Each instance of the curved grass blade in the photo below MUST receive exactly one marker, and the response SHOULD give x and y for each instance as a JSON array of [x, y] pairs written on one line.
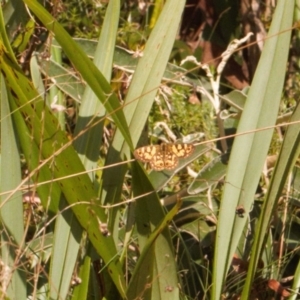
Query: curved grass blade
[[67, 238], [287, 157], [12, 232], [87, 69], [156, 263], [141, 93], [59, 156], [249, 151], [138, 103], [88, 144]]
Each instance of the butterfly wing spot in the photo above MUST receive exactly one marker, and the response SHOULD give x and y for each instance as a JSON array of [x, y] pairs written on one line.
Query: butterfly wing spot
[[182, 150], [171, 161], [157, 163]]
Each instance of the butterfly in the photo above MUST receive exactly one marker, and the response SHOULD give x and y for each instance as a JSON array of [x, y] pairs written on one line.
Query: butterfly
[[163, 156]]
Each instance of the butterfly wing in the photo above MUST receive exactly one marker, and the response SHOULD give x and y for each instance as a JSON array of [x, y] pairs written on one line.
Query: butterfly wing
[[168, 157], [171, 161], [158, 163], [151, 154], [146, 154], [182, 150]]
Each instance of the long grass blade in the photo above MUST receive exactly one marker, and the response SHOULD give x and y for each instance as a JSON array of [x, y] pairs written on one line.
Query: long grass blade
[[249, 151]]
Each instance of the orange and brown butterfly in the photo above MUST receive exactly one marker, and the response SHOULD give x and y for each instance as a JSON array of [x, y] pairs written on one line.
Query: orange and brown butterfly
[[163, 156]]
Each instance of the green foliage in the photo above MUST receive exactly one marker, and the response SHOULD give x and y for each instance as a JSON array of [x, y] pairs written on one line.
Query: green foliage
[[97, 223]]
